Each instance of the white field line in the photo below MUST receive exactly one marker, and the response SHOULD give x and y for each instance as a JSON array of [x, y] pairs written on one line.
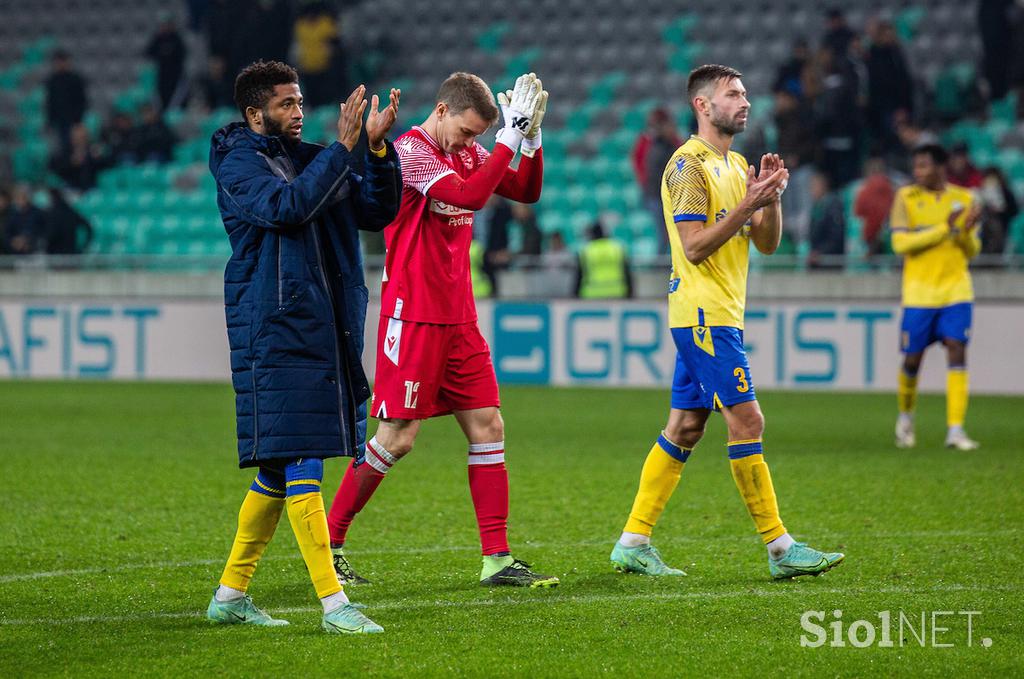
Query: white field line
[[435, 549], [544, 599]]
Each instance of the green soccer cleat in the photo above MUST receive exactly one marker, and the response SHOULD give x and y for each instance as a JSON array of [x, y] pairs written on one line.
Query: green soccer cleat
[[518, 574], [800, 559], [347, 619], [643, 559], [240, 612], [343, 569]]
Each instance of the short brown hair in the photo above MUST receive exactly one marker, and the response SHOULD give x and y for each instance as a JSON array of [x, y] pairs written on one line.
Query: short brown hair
[[708, 74], [461, 91], [254, 86]]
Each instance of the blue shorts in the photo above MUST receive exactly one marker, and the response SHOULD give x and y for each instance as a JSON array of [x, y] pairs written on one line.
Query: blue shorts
[[922, 326], [711, 369]]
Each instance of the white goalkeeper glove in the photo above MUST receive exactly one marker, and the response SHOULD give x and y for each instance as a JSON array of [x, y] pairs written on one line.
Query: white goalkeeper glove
[[520, 110], [532, 138]]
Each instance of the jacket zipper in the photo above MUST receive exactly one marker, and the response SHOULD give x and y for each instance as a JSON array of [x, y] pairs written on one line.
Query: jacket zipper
[[280, 292], [334, 325], [255, 418]]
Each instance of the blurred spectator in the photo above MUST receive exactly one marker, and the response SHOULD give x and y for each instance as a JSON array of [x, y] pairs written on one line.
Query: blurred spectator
[[482, 286], [80, 164], [911, 135], [167, 49], [790, 76], [996, 27], [65, 98], [838, 33], [558, 277], [5, 206], [68, 231], [890, 86], [261, 29], [316, 38], [26, 224], [794, 125], [603, 267], [526, 218], [828, 225], [219, 21], [798, 146], [153, 139], [215, 87], [651, 153], [999, 208], [493, 232], [960, 170], [873, 202], [118, 139], [838, 119]]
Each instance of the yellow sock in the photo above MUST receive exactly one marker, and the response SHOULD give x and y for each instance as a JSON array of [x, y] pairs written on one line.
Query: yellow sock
[[906, 392], [956, 396], [658, 480], [309, 522], [754, 482], [257, 521]]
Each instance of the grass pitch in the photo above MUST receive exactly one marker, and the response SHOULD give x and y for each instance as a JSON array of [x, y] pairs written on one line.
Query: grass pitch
[[121, 502]]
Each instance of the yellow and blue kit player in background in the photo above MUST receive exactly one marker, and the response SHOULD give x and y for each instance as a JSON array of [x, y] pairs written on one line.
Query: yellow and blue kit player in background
[[715, 204], [935, 227]]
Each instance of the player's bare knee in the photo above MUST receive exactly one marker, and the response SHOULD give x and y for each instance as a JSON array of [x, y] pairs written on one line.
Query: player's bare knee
[[749, 425], [911, 363], [956, 352], [495, 429], [685, 434]]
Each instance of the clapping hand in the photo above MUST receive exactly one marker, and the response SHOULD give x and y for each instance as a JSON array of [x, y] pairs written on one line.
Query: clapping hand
[[379, 122]]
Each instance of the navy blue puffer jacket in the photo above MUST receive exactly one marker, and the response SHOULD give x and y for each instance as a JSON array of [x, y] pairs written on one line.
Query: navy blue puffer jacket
[[294, 293]]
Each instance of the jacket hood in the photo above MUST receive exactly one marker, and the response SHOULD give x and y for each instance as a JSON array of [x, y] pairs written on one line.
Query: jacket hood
[[231, 136]]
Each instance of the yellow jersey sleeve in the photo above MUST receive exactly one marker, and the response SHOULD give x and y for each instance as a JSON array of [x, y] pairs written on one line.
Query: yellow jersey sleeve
[[908, 240], [687, 189]]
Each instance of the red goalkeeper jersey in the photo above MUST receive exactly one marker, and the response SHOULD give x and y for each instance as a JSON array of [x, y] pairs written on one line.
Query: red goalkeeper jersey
[[426, 270]]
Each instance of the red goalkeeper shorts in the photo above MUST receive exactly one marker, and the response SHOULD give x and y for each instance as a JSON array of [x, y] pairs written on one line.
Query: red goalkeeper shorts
[[425, 370]]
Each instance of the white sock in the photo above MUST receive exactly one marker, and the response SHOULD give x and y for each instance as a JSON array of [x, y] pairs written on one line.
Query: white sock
[[634, 539], [333, 601], [779, 545], [955, 429], [225, 594], [907, 418]]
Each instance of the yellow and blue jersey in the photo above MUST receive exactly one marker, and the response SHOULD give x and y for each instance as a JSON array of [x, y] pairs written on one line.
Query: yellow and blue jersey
[[935, 257], [701, 184]]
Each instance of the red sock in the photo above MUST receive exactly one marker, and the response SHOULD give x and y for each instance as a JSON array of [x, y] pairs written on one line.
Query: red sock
[[488, 485], [357, 487]]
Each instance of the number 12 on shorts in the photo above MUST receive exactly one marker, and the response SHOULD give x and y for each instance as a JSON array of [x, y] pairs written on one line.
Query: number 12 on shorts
[[411, 394]]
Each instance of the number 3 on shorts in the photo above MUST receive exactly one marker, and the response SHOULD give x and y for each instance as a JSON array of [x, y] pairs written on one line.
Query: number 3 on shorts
[[741, 374]]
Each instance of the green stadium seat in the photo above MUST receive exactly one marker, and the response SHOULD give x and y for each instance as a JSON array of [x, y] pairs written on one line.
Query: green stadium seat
[[580, 197], [489, 40], [603, 91], [521, 63], [677, 32]]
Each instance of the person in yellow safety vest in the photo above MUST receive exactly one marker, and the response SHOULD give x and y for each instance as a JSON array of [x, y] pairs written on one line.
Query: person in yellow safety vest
[[603, 270], [481, 281]]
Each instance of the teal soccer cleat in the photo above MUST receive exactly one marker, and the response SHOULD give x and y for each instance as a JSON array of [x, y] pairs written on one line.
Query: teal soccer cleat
[[643, 559], [347, 619], [240, 612], [800, 559]]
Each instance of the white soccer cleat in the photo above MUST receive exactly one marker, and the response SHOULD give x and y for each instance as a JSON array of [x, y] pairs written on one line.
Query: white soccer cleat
[[905, 437], [958, 440]]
